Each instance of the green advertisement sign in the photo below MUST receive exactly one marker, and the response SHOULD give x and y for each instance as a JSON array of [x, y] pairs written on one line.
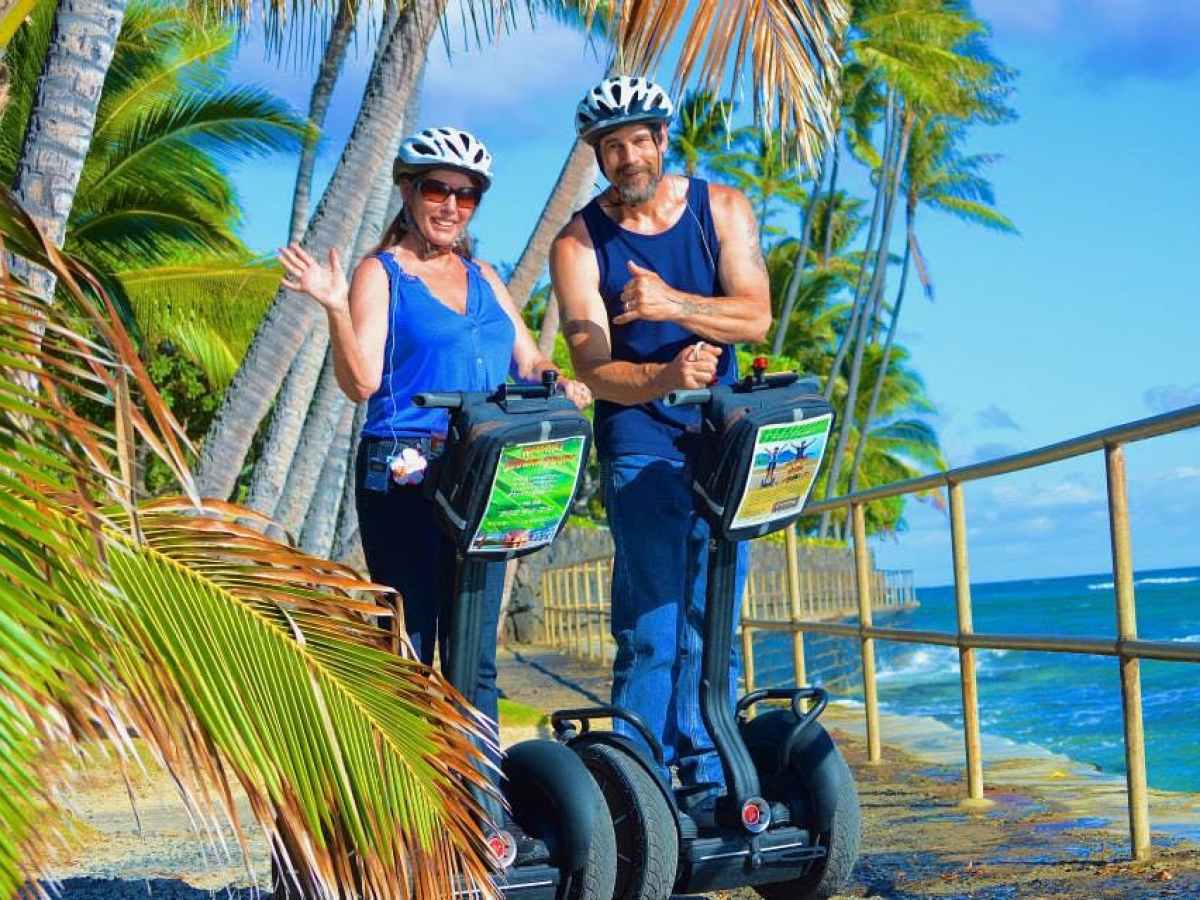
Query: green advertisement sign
[[531, 495], [786, 459]]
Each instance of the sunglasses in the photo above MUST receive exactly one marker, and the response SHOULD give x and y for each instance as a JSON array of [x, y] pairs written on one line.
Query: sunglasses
[[435, 191]]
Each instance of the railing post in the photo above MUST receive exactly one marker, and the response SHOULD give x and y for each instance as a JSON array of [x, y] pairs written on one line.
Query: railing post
[[547, 605], [862, 573], [966, 655], [747, 644], [799, 668], [1131, 679], [588, 606]]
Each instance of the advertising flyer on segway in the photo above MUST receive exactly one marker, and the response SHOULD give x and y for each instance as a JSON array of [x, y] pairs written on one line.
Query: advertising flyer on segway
[[530, 495], [786, 460]]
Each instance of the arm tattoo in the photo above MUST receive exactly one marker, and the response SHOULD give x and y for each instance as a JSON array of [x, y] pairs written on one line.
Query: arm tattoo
[[755, 248], [689, 307]]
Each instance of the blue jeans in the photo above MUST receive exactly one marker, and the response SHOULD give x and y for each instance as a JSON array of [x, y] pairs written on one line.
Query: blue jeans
[[658, 600]]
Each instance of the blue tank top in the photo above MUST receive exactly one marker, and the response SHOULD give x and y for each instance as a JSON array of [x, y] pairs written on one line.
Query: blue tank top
[[430, 347], [686, 257]]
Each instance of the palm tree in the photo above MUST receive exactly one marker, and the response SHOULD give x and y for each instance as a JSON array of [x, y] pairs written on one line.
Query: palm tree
[[238, 661], [762, 168], [941, 177], [921, 52], [309, 400], [573, 188], [290, 319], [56, 142], [900, 445], [318, 105], [702, 130]]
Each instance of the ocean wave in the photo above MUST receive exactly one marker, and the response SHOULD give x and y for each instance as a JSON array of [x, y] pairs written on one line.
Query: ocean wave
[[925, 664], [1188, 639], [1163, 579]]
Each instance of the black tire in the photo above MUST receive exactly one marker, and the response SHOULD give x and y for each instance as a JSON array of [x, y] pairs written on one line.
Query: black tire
[[596, 879], [827, 793], [647, 841]]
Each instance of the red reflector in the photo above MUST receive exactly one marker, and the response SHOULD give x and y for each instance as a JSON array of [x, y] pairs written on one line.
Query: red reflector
[[750, 814], [760, 362]]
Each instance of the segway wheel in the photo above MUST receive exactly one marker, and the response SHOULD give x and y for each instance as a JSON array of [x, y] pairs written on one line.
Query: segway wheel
[[647, 841], [818, 772], [595, 880]]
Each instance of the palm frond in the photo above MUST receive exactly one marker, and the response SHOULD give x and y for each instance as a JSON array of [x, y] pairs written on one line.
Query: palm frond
[[231, 124], [236, 659], [972, 211], [789, 48]]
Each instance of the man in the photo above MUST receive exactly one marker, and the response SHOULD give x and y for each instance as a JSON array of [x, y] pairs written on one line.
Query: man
[[657, 278]]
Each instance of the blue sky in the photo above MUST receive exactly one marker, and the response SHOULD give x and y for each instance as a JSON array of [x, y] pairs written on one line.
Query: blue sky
[[1085, 320]]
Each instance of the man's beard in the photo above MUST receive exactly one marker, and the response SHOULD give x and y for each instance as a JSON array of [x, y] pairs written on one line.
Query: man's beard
[[634, 194]]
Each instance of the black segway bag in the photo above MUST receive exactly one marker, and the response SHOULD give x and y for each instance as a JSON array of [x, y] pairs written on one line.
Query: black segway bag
[[763, 442], [512, 467]]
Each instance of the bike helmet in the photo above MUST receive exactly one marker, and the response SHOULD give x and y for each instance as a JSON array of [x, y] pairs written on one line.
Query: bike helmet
[[621, 101], [449, 148]]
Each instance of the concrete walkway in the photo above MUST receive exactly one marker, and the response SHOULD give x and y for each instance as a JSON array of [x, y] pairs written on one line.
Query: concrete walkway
[[1046, 835]]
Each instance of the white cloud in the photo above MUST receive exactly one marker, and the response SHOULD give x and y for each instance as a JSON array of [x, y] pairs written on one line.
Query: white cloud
[[1180, 473], [1065, 493], [1038, 525], [527, 80]]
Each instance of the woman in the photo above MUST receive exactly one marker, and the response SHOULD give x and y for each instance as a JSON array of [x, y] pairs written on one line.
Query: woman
[[421, 315]]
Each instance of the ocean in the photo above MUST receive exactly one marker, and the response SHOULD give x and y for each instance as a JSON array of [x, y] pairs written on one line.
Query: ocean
[[1063, 702]]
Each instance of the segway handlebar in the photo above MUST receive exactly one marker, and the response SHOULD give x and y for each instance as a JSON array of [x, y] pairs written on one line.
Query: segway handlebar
[[435, 400], [692, 397]]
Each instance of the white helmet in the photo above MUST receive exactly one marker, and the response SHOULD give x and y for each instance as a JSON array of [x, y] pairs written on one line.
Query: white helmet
[[621, 101], [449, 148]]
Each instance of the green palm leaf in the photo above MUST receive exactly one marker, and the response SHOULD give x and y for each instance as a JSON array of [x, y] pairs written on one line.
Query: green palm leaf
[[236, 659]]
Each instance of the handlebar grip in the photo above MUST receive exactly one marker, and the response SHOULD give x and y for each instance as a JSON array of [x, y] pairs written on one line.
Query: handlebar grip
[[692, 397], [432, 399]]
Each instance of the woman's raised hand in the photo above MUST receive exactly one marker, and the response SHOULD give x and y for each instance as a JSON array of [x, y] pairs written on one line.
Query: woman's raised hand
[[324, 283]]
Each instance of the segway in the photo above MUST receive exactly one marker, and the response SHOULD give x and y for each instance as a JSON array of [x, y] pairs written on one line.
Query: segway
[[502, 489], [787, 821]]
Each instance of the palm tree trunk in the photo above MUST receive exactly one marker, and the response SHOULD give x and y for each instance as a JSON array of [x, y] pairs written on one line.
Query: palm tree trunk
[[856, 308], [889, 183], [60, 127], [574, 181], [318, 105], [291, 420], [316, 437], [859, 450], [271, 470], [793, 285], [833, 178], [550, 326], [321, 521], [346, 535], [290, 318]]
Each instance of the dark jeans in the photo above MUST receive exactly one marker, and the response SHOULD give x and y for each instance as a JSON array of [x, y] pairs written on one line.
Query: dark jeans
[[406, 550], [658, 598]]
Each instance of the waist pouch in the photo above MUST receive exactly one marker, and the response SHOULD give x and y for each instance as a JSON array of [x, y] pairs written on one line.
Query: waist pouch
[[759, 456], [510, 471]]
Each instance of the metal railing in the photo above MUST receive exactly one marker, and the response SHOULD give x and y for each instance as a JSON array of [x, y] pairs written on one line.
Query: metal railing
[[576, 604], [577, 607], [1125, 647]]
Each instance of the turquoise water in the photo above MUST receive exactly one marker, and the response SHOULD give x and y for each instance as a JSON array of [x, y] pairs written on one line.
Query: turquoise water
[[1064, 702]]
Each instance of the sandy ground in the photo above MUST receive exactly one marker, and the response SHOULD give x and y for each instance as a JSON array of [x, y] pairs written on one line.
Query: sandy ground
[[1056, 828]]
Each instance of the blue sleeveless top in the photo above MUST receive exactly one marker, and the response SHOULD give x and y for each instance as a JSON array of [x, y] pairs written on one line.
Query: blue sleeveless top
[[430, 347], [685, 256]]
